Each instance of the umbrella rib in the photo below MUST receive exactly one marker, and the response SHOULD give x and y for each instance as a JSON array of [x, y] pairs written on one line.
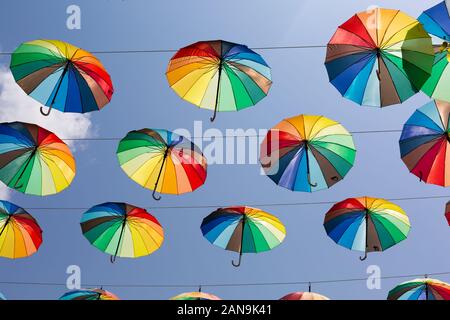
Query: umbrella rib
[[415, 22], [380, 43]]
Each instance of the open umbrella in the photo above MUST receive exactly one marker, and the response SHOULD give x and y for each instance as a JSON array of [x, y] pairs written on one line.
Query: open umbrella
[[425, 143], [304, 296], [122, 230], [20, 234], [243, 230], [436, 21], [366, 224], [195, 296], [307, 153], [421, 289], [379, 58], [34, 160], [219, 75], [61, 76], [89, 294], [162, 161]]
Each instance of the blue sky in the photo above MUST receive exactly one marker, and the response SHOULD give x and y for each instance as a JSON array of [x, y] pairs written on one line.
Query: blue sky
[[143, 99]]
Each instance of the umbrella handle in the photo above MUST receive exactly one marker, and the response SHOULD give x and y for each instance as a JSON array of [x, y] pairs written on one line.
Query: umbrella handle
[[213, 117], [310, 183], [238, 263], [363, 258], [156, 197], [112, 259], [421, 176], [46, 113]]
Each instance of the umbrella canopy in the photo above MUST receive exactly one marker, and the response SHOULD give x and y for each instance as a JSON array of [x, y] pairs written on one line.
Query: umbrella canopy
[[162, 161], [195, 296], [424, 143], [219, 75], [34, 160], [89, 294], [447, 212], [243, 230], [61, 76], [379, 57], [421, 289], [366, 224], [122, 230], [307, 153], [20, 234], [304, 296], [436, 21]]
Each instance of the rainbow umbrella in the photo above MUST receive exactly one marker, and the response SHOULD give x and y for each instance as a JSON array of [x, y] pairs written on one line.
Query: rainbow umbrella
[[61, 76], [447, 212], [366, 224], [304, 296], [307, 153], [219, 75], [436, 21], [195, 296], [162, 161], [89, 294], [243, 230], [34, 160], [379, 57], [20, 234], [424, 143], [421, 289], [122, 230]]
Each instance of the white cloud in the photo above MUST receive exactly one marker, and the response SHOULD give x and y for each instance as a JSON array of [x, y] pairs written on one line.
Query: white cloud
[[16, 105]]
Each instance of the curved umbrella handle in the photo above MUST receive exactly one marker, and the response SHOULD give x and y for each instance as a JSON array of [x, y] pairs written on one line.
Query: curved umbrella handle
[[238, 263], [46, 113], [112, 258], [421, 176], [363, 258], [310, 183], [213, 117], [156, 197]]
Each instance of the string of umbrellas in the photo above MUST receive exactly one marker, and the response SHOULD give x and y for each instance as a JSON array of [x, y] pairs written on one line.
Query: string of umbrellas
[[416, 289], [373, 65]]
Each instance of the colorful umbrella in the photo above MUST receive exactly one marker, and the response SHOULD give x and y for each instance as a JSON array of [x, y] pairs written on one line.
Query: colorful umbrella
[[379, 57], [219, 75], [195, 296], [424, 143], [89, 294], [304, 296], [162, 161], [447, 212], [20, 234], [243, 230], [421, 289], [122, 230], [61, 76], [366, 224], [307, 153], [33, 160], [436, 21]]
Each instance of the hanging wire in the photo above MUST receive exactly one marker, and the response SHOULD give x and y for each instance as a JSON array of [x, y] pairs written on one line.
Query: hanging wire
[[224, 285], [280, 204], [6, 53], [226, 136]]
